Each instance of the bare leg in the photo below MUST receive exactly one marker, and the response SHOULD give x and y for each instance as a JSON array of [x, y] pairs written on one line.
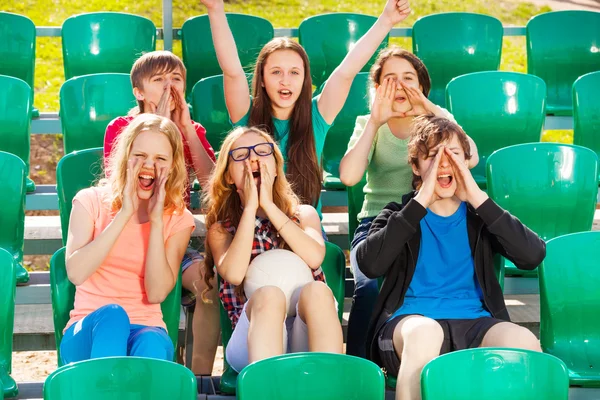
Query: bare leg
[[417, 340], [266, 312], [206, 327], [507, 334], [316, 307]]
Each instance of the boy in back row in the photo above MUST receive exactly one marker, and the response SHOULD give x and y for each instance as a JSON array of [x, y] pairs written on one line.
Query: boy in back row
[[158, 79]]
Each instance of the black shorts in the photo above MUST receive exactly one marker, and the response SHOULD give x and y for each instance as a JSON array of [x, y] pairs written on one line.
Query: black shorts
[[459, 334]]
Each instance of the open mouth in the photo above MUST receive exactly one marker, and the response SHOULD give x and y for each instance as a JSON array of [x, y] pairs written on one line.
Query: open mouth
[[400, 99], [146, 181], [445, 180], [285, 94]]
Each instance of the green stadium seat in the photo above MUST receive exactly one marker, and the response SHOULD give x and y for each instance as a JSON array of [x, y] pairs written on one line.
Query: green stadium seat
[[586, 112], [494, 373], [327, 38], [552, 188], [315, 376], [17, 49], [334, 268], [569, 304], [561, 47], [356, 198], [75, 171], [336, 142], [454, 44], [15, 117], [121, 378], [497, 109], [105, 42], [87, 105], [8, 281], [62, 293], [12, 217], [251, 33], [210, 110]]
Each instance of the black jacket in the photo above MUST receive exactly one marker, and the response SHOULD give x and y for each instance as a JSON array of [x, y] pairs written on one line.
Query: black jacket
[[392, 247]]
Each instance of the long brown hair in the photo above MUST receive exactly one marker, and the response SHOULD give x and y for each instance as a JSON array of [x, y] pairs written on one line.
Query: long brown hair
[[303, 168], [223, 203]]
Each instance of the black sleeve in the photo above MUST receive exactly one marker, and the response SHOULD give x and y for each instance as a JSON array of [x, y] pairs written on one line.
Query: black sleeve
[[511, 238], [389, 232]]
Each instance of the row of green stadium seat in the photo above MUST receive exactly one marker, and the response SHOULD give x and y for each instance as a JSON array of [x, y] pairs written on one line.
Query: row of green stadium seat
[[561, 46]]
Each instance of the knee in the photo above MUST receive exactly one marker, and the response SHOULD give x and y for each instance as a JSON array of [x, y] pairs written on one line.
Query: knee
[[421, 336], [268, 299], [523, 338], [115, 314], [366, 287], [153, 343], [316, 293]]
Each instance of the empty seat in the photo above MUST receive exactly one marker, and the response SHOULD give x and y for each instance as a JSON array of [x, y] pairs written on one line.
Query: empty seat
[[456, 43], [87, 105], [586, 111], [561, 47], [105, 42]]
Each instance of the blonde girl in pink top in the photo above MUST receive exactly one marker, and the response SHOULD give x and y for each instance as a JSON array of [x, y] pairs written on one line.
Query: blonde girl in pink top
[[126, 239]]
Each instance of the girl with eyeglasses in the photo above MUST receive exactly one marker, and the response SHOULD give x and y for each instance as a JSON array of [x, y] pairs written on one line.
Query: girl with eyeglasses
[[251, 208]]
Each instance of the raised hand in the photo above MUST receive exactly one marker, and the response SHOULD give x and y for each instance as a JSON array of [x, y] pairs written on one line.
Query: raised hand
[[427, 195], [266, 186], [181, 114], [249, 193], [466, 187], [162, 108], [381, 109], [131, 200], [156, 205], [395, 11], [419, 102], [212, 4]]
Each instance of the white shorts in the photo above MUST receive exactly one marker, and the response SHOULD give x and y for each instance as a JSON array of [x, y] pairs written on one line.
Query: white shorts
[[295, 339]]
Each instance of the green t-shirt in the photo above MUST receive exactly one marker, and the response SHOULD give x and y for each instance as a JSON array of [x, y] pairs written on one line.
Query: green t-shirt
[[282, 131], [389, 175]]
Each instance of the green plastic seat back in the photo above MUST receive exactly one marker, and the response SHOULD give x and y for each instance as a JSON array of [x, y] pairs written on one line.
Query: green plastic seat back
[[250, 33], [561, 47], [569, 304], [586, 111], [62, 292], [494, 374], [105, 42], [336, 142], [327, 39], [74, 172], [552, 188], [88, 104], [210, 110], [15, 117], [8, 281], [17, 47], [121, 378], [12, 216], [497, 109], [356, 198], [315, 376], [454, 44], [334, 268]]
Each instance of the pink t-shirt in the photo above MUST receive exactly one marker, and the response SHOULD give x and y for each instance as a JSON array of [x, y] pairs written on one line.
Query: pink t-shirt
[[120, 278]]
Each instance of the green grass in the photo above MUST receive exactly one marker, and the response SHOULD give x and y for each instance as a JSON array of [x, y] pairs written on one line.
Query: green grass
[[282, 13]]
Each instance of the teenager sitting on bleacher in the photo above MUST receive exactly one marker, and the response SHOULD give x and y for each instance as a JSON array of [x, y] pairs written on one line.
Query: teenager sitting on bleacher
[[158, 80], [378, 147], [435, 252], [282, 101], [251, 210], [126, 239]]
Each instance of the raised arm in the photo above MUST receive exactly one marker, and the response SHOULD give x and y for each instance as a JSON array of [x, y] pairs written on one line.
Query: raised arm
[[237, 94], [338, 85]]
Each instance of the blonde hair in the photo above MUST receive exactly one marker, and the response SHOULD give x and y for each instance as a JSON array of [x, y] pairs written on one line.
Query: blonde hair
[[176, 184], [222, 201]]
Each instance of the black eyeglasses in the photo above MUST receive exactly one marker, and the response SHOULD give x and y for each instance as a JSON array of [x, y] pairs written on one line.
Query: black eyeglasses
[[261, 149]]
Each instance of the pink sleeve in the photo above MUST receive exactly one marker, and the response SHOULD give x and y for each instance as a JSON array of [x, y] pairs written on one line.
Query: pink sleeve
[[88, 198], [201, 132], [181, 222], [113, 130]]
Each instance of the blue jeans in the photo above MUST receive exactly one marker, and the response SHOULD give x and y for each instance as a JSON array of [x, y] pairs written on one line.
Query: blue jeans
[[365, 295], [107, 332]]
